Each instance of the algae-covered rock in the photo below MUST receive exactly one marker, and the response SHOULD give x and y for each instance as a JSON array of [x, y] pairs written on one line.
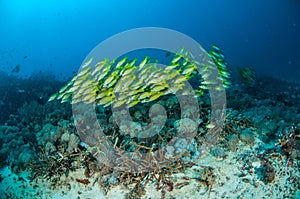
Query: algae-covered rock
[[61, 137], [186, 126], [67, 142], [247, 136], [187, 148], [232, 143], [65, 137], [218, 152], [49, 148], [181, 146], [73, 143], [48, 133], [25, 157], [130, 128]]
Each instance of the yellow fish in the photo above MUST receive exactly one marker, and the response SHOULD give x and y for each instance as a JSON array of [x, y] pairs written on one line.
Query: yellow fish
[[133, 103], [120, 63], [53, 97], [87, 63], [155, 96], [144, 62]]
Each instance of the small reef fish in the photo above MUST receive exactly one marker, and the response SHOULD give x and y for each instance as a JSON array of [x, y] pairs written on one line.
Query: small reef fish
[[121, 62], [87, 63], [247, 75], [172, 66], [176, 59], [214, 46], [133, 103], [144, 62], [99, 67], [119, 103], [129, 82], [53, 97]]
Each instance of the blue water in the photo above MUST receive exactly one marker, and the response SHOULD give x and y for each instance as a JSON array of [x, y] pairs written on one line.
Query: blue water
[[56, 36]]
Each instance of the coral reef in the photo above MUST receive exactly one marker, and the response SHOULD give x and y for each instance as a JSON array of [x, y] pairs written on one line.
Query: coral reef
[[157, 151], [17, 91]]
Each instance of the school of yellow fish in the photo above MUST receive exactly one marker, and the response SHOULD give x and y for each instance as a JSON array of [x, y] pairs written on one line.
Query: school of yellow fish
[[129, 82]]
